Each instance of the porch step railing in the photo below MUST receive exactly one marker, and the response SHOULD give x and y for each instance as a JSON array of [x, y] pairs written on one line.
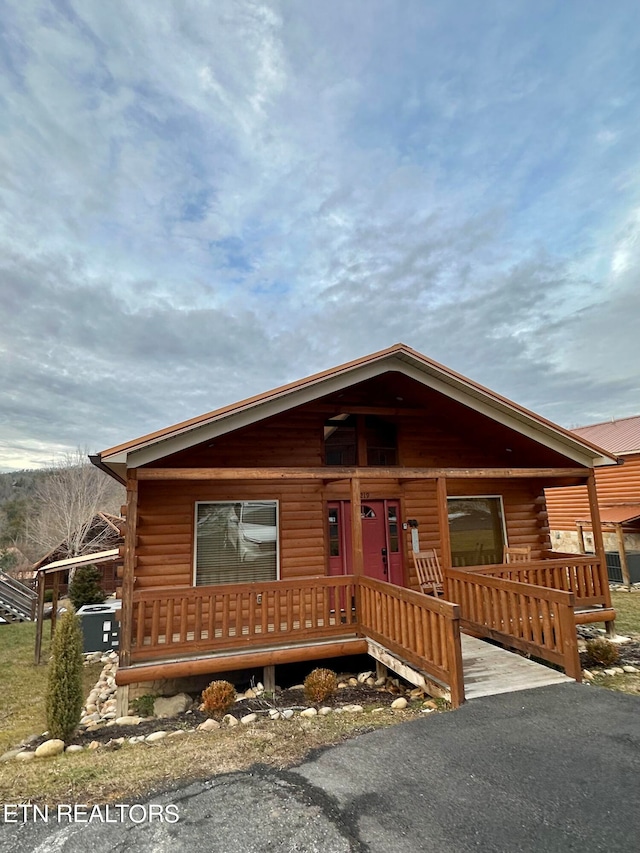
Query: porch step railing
[[422, 629], [534, 619], [17, 601], [583, 576]]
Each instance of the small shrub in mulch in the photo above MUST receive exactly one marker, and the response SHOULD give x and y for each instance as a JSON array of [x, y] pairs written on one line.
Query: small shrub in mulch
[[320, 685], [601, 652]]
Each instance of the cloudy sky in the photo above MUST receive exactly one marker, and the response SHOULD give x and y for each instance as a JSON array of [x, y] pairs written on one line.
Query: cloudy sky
[[202, 200]]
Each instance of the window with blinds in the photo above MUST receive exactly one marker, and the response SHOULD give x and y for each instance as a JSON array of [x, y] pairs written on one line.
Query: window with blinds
[[236, 542]]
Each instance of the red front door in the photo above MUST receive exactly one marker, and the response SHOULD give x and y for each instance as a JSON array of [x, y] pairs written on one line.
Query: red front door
[[380, 539]]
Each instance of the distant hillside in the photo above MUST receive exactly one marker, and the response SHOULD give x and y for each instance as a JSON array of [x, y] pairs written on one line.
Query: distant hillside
[[20, 484], [41, 508]]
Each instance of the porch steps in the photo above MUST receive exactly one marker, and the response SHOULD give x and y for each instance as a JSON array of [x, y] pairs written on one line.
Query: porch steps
[[489, 670]]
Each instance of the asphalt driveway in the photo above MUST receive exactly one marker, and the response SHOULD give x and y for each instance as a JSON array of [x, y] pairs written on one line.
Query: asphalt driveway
[[551, 769]]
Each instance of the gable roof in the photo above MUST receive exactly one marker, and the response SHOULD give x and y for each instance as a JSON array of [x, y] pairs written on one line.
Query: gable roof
[[399, 358], [617, 436]]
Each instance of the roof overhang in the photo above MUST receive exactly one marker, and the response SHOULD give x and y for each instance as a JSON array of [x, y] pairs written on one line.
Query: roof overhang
[[622, 514], [401, 359], [83, 560]]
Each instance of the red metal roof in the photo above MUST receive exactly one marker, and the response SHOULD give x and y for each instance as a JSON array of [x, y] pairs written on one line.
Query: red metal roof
[[621, 436], [618, 514]]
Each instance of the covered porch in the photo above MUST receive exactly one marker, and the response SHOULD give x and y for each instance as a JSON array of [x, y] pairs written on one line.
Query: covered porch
[[531, 608]]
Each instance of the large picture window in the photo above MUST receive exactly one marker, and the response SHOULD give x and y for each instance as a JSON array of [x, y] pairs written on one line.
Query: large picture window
[[476, 529], [236, 542]]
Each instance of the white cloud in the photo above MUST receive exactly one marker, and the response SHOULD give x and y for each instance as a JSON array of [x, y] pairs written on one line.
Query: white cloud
[[213, 198]]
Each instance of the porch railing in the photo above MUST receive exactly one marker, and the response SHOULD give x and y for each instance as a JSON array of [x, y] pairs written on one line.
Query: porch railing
[[234, 616], [421, 629], [583, 576], [534, 619]]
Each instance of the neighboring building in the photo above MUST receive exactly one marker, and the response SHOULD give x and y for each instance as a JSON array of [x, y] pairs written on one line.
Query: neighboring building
[[253, 527], [618, 497], [102, 534]]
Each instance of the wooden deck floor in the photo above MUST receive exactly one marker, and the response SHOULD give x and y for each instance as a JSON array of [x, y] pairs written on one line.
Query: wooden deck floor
[[489, 670]]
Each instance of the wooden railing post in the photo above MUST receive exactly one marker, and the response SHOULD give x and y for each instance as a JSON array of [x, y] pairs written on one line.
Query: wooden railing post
[[567, 621], [454, 659]]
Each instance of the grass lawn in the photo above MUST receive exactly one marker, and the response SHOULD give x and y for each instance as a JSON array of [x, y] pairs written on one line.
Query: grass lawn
[[133, 771], [627, 605], [24, 685]]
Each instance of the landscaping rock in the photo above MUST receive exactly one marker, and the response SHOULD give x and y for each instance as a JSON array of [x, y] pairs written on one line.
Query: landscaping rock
[[209, 725], [376, 710], [610, 671], [75, 747], [171, 706], [25, 756], [136, 739], [274, 714], [380, 682], [342, 685], [180, 732], [128, 720], [353, 709], [288, 714], [248, 719], [362, 677], [154, 737], [630, 668], [9, 756], [399, 704], [250, 694], [230, 720], [431, 704], [94, 745], [50, 748], [324, 711], [309, 712]]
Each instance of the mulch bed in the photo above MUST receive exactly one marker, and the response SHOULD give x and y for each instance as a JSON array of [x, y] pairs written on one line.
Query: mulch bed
[[629, 655], [363, 694]]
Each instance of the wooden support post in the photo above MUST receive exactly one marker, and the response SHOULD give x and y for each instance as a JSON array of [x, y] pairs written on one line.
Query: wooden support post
[[54, 602], [128, 577], [381, 670], [626, 578], [443, 529], [581, 545], [269, 678], [443, 522], [598, 541], [356, 528], [122, 700], [39, 617]]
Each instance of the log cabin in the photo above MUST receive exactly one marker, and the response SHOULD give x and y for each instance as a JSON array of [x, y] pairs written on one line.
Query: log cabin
[[282, 528], [619, 502]]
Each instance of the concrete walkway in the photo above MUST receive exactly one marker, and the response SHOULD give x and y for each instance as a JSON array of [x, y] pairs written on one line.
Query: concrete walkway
[[552, 770]]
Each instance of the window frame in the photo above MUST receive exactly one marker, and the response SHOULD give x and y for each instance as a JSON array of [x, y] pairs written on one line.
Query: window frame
[[194, 577], [481, 497]]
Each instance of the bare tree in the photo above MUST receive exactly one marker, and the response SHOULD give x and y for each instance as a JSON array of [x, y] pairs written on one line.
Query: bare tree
[[66, 503]]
